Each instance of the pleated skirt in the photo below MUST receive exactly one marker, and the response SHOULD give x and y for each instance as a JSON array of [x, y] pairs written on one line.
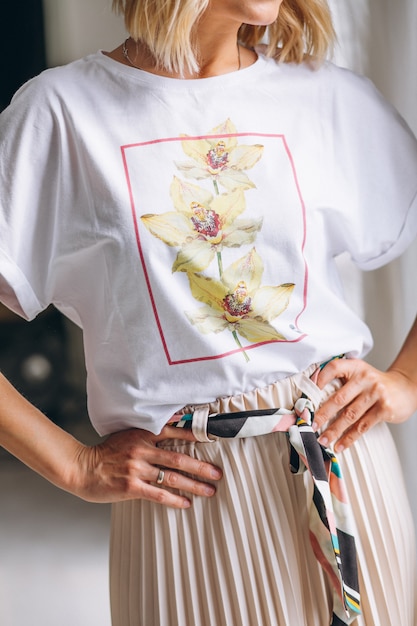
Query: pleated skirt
[[243, 557]]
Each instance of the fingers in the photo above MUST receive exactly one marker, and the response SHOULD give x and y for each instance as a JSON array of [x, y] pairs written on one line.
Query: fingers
[[172, 432], [160, 477], [181, 482], [129, 465], [190, 474], [362, 402], [337, 368], [166, 492], [162, 484], [164, 497], [357, 385], [183, 463], [349, 426], [181, 472]]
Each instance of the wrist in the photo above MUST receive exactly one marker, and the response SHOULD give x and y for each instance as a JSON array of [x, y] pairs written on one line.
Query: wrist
[[411, 385], [70, 473], [410, 376]]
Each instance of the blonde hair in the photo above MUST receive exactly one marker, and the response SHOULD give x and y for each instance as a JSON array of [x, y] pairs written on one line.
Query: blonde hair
[[167, 28]]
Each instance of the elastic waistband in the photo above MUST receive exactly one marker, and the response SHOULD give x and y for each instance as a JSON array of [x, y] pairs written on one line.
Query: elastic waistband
[[261, 404]]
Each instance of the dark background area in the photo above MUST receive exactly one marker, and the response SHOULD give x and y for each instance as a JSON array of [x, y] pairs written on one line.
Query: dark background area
[[54, 546], [22, 45], [36, 357], [40, 358]]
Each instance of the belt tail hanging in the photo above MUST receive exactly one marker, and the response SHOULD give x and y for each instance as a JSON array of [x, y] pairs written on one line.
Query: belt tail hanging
[[330, 525]]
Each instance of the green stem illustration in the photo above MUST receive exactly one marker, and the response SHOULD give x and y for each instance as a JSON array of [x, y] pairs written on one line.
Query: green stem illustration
[[219, 254], [220, 263], [234, 333], [220, 266]]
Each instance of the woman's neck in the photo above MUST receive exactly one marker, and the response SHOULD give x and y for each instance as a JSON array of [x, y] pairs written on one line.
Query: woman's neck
[[216, 55]]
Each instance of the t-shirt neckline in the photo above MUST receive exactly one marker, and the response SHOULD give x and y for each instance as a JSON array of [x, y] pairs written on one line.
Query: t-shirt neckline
[[162, 82]]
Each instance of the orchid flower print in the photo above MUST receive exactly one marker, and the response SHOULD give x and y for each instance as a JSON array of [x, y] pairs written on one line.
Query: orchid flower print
[[202, 224], [220, 158], [238, 302]]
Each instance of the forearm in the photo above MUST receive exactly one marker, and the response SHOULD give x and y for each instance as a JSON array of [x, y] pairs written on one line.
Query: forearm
[[121, 468], [39, 443], [406, 361]]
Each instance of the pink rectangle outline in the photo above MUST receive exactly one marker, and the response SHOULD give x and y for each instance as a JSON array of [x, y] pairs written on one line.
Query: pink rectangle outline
[[142, 259]]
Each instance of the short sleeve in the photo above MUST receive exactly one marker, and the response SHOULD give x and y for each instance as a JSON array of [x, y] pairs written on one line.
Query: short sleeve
[[373, 160], [29, 188]]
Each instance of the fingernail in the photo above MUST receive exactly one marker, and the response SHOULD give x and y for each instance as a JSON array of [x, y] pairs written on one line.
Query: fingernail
[[324, 441], [215, 473], [186, 504], [339, 448], [209, 490], [315, 427]]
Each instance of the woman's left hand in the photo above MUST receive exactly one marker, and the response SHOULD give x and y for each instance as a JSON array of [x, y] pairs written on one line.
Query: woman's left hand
[[367, 396]]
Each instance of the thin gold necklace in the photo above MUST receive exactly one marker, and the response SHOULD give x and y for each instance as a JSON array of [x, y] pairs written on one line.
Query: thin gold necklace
[[126, 56]]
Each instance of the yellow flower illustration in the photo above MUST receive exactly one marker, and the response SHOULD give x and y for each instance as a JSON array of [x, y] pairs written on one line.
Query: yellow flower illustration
[[238, 303], [202, 225], [220, 158]]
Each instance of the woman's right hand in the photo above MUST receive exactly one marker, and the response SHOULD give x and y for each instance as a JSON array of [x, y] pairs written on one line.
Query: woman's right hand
[[127, 464]]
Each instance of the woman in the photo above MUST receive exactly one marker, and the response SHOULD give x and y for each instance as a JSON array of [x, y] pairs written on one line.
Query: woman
[[182, 199]]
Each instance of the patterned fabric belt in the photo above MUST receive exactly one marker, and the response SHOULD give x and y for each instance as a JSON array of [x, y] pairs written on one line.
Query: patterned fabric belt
[[330, 526]]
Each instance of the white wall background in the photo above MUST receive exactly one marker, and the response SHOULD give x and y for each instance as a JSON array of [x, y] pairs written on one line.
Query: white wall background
[[74, 28], [378, 38]]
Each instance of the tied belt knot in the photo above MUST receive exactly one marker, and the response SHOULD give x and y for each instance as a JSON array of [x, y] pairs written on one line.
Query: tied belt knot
[[330, 519]]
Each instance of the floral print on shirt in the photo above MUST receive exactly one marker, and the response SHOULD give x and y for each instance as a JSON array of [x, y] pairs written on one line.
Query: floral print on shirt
[[203, 223]]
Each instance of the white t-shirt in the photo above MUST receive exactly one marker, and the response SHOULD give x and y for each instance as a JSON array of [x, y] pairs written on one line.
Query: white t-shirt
[[190, 227]]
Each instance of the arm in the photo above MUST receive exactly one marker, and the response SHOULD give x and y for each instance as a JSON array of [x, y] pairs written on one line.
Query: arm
[[368, 396], [121, 468]]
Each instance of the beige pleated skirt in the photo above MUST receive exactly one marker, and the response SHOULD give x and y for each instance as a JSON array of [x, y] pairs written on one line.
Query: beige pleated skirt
[[243, 557]]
